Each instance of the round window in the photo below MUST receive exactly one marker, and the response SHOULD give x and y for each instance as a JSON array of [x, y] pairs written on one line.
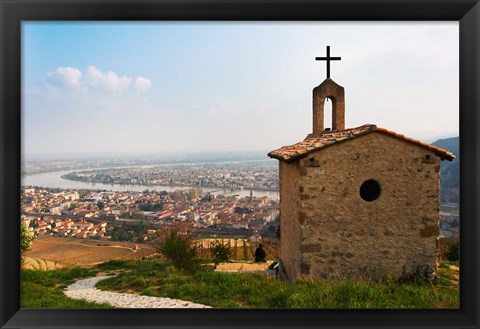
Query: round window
[[370, 190]]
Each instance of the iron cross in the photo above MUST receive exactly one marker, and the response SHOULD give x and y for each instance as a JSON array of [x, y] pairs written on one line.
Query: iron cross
[[328, 59]]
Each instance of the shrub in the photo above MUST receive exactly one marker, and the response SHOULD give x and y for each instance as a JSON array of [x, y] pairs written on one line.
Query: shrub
[[453, 252], [419, 274], [177, 246], [220, 253], [26, 239]]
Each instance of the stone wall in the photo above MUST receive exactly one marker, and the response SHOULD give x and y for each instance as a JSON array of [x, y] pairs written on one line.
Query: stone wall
[[289, 226], [343, 235]]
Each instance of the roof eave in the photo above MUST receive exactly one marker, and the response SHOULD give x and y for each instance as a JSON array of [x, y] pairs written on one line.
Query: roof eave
[[284, 159], [439, 152], [448, 157]]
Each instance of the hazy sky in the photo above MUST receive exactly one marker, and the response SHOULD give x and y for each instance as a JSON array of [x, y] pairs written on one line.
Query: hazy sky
[[228, 86]]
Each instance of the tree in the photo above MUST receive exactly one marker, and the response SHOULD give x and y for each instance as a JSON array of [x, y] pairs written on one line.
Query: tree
[[177, 195], [453, 252], [220, 253], [178, 247], [151, 206], [26, 240], [207, 198], [242, 210], [194, 193]]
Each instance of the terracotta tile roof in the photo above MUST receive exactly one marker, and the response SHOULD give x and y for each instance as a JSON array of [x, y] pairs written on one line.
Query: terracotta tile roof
[[313, 143]]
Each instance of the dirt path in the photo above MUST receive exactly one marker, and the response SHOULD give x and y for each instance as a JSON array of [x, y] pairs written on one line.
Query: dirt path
[[243, 267], [456, 273]]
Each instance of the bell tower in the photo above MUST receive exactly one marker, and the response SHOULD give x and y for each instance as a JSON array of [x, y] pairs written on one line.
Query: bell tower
[[336, 93]]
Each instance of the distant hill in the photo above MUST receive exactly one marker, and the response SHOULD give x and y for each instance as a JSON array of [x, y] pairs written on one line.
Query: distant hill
[[450, 170]]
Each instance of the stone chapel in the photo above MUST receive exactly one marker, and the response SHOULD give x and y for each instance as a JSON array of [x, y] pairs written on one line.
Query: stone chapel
[[357, 202]]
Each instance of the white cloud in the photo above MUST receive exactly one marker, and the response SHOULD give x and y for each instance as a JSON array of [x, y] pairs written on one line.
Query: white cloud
[[96, 80], [111, 81], [93, 76], [142, 84], [67, 76]]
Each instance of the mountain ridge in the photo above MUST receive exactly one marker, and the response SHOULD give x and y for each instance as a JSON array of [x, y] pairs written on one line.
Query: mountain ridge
[[450, 170]]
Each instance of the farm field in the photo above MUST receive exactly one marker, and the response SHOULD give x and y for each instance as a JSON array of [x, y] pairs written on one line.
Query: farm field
[[56, 252], [59, 252]]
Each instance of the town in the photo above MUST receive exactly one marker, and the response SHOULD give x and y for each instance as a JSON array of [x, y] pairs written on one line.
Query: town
[[261, 175], [450, 221], [137, 216], [35, 164]]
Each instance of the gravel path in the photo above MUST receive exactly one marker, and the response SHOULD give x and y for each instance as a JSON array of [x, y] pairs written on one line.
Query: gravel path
[[85, 289]]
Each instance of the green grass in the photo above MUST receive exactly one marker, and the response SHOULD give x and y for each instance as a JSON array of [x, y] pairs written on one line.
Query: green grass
[[44, 289], [256, 290], [454, 262]]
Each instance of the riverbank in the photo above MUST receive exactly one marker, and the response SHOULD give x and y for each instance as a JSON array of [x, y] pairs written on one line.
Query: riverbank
[[54, 180], [73, 177]]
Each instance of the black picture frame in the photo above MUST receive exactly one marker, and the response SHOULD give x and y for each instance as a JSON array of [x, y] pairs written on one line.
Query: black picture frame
[[13, 12]]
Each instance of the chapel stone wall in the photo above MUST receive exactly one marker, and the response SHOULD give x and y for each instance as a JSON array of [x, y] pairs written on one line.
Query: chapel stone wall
[[289, 226], [339, 234]]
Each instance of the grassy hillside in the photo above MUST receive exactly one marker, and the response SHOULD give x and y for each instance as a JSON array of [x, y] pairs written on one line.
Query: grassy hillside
[[44, 289], [257, 290], [151, 277]]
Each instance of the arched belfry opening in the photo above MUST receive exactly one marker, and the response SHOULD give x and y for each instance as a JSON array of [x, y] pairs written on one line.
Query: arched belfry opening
[[335, 93], [328, 113]]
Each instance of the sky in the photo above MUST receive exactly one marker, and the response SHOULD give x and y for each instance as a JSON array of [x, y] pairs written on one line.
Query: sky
[[103, 87]]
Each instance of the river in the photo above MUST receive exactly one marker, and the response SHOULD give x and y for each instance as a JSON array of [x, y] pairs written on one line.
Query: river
[[54, 179]]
